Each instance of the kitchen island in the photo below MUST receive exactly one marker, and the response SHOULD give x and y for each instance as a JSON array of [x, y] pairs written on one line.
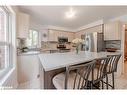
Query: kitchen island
[[55, 63]]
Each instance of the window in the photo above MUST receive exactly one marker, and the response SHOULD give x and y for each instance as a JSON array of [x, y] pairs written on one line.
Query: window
[[32, 41], [4, 40]]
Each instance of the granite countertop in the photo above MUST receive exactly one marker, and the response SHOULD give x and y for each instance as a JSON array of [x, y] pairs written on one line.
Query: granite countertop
[[37, 52], [29, 53], [60, 60]]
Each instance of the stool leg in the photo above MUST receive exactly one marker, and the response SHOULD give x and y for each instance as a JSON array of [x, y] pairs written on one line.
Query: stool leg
[[113, 85], [102, 84], [91, 85], [107, 81]]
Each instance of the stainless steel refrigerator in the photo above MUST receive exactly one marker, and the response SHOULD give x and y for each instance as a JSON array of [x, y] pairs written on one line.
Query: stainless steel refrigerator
[[94, 42]]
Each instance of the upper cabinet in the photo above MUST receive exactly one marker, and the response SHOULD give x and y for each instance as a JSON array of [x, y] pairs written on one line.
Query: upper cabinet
[[78, 34], [23, 25], [81, 33], [112, 31], [71, 36], [54, 34]]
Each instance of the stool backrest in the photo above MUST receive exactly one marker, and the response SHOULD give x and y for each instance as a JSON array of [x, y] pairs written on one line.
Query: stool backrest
[[99, 71], [82, 73], [113, 62]]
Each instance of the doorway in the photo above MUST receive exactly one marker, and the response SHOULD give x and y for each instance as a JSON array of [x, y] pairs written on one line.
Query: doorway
[[125, 51]]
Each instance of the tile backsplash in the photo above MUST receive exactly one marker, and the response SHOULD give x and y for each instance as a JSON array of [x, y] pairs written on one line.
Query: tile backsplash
[[113, 44], [53, 45]]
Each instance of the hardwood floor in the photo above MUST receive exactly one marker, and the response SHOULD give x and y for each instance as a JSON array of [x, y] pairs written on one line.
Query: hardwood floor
[[125, 67]]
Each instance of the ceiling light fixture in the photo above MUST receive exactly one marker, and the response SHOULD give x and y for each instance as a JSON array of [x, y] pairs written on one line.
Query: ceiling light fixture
[[70, 14]]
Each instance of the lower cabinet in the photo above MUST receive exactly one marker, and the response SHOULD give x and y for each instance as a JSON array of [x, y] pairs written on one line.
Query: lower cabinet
[[29, 71]]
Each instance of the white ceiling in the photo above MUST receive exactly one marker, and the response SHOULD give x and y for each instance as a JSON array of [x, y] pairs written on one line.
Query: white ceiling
[[55, 15]]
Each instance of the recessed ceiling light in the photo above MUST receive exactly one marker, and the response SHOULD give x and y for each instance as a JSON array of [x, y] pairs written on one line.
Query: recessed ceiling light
[[70, 14]]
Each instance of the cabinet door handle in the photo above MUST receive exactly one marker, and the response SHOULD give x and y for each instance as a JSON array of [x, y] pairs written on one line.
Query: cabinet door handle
[[38, 76]]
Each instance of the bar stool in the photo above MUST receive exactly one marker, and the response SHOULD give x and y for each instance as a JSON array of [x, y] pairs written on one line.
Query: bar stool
[[111, 69], [99, 73], [75, 77]]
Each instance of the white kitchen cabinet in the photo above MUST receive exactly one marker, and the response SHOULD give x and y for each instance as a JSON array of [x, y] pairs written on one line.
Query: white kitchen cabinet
[[70, 36], [66, 34], [23, 25], [29, 71], [112, 30], [78, 34], [54, 34], [97, 29]]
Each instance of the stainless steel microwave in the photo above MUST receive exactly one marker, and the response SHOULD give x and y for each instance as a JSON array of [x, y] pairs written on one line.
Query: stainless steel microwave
[[62, 39]]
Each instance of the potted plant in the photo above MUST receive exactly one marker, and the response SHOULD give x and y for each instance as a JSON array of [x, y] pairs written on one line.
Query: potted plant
[[77, 42]]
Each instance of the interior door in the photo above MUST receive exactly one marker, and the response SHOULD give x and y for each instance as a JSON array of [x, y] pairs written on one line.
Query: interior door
[[125, 45]]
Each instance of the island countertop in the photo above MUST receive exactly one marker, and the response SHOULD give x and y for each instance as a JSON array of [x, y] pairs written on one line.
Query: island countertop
[[59, 60]]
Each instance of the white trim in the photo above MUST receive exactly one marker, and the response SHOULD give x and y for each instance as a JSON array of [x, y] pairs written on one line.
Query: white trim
[[5, 77], [7, 81], [4, 43], [7, 63], [13, 34], [54, 27], [60, 28], [99, 22], [122, 47]]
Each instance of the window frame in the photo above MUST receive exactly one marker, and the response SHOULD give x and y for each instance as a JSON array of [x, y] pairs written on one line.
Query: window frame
[[8, 41], [33, 46]]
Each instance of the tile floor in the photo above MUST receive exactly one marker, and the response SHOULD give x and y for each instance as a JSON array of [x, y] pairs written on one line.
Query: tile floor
[[121, 82]]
